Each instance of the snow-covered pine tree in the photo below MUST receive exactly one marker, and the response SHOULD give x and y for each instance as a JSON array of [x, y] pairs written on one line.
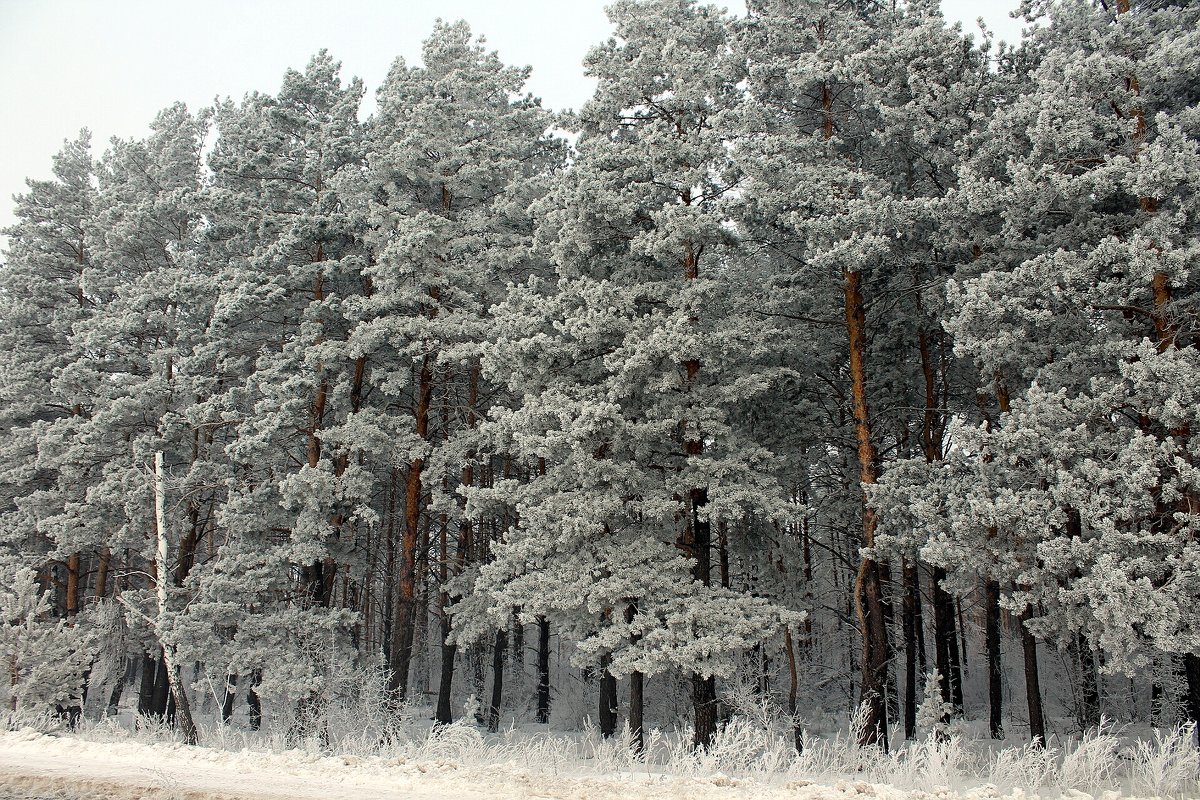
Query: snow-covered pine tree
[[455, 149], [44, 659], [1082, 493], [134, 368], [850, 125], [284, 221], [44, 293], [629, 370]]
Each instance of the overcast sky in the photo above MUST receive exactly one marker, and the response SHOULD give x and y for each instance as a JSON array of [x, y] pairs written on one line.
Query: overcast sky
[[110, 65]]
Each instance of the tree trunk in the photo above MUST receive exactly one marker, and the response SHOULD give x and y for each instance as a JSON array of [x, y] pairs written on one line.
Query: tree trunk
[[314, 573], [543, 671], [636, 686], [498, 658], [72, 585], [636, 712], [230, 695], [868, 593], [114, 698], [607, 710], [910, 648], [253, 702], [704, 689], [186, 725], [1156, 700], [704, 700], [793, 687], [443, 715], [462, 554], [723, 553], [697, 535], [403, 618], [946, 638], [1033, 690], [994, 668], [1191, 671], [1089, 686], [162, 688], [960, 641], [145, 706], [102, 573], [517, 651]]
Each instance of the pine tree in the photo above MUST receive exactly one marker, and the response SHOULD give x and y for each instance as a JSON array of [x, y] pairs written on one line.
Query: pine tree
[[45, 293], [1079, 494], [455, 151], [629, 368], [852, 119]]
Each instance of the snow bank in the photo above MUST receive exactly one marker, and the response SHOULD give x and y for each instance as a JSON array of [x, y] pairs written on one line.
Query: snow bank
[[38, 765]]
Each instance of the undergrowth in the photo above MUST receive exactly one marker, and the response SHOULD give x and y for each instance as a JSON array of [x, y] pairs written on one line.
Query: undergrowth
[[755, 743]]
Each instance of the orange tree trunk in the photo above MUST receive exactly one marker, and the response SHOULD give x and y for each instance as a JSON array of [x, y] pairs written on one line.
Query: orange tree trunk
[[868, 587]]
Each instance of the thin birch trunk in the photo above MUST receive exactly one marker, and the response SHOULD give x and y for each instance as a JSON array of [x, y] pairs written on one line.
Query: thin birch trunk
[[182, 707]]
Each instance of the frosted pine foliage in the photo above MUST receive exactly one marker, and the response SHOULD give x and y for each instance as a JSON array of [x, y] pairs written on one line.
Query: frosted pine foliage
[[824, 347], [1082, 199], [44, 659], [598, 360], [933, 714]]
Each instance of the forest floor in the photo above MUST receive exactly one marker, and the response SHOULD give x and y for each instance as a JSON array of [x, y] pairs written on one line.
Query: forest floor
[[37, 766]]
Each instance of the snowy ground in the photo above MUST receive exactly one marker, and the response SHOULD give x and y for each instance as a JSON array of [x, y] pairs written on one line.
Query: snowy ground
[[34, 765]]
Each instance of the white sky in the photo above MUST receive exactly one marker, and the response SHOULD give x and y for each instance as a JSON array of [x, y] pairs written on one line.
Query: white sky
[[110, 65]]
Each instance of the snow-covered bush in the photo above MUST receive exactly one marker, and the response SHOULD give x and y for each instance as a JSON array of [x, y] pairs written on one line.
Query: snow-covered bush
[[1168, 766], [1032, 765], [1092, 762]]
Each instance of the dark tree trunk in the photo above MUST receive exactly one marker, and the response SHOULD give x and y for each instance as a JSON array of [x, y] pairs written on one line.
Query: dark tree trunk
[[869, 600], [543, 670], [946, 638], [1191, 671], [1033, 688], [909, 617], [608, 699], [704, 690], [162, 688], [498, 658], [404, 615], [636, 707], [444, 716], [697, 534], [102, 573], [704, 700], [475, 658], [253, 702], [1156, 704], [889, 622], [636, 687], [1089, 686], [960, 639], [992, 635], [146, 686], [114, 698], [230, 695], [793, 687], [517, 655], [72, 601], [723, 553], [919, 624]]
